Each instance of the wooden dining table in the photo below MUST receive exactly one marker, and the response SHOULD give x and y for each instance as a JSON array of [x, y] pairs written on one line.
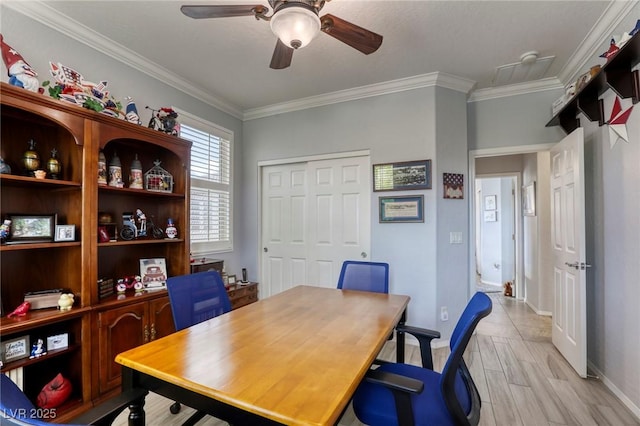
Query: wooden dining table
[[295, 358]]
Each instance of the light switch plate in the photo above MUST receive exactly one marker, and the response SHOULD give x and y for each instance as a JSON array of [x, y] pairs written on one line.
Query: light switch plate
[[455, 237]]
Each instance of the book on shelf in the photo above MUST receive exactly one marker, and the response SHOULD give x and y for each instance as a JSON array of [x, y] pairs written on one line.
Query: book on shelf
[[45, 298]]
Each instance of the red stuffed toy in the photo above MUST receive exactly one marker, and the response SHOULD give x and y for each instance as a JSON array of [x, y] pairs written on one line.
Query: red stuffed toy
[[54, 393]]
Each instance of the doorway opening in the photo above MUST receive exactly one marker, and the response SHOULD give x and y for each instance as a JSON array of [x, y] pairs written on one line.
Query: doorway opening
[[495, 243]]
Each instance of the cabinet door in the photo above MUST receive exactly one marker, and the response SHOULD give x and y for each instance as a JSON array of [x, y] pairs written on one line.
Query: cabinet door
[[161, 318], [120, 329]]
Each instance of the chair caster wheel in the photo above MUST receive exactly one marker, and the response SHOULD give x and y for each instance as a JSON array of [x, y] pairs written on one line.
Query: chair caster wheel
[[175, 408]]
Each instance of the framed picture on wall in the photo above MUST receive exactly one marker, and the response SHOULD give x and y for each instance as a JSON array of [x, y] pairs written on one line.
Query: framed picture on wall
[[403, 176], [490, 202], [490, 216], [529, 199], [401, 209]]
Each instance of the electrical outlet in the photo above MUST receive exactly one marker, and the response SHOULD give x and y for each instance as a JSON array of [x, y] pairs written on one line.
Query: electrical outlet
[[444, 314]]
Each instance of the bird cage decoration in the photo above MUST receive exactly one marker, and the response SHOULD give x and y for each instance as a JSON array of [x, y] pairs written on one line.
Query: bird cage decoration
[[158, 179]]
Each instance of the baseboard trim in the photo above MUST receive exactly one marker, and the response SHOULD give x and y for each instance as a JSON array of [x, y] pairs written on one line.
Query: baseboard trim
[[616, 391], [538, 311]]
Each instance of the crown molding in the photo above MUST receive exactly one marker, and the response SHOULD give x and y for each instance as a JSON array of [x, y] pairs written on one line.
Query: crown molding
[[592, 44], [410, 83], [46, 15], [541, 85], [588, 49]]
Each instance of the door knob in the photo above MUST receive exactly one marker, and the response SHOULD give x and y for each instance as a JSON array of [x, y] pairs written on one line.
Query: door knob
[[363, 254], [265, 249], [578, 265]]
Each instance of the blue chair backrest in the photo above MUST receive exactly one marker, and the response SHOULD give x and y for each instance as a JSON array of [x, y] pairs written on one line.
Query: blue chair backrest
[[197, 297], [12, 400], [364, 276], [458, 389]]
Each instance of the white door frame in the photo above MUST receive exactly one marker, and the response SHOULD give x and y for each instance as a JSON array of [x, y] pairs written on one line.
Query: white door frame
[[292, 160], [495, 152]]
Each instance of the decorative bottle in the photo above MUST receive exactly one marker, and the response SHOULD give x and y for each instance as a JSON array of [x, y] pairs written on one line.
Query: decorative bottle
[[171, 231], [115, 172], [102, 168], [135, 174], [53, 165]]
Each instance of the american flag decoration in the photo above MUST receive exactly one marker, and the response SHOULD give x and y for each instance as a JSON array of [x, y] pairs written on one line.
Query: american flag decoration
[[453, 185]]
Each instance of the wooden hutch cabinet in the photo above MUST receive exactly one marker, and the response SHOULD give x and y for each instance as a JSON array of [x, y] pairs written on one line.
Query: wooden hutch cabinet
[[125, 327], [97, 328]]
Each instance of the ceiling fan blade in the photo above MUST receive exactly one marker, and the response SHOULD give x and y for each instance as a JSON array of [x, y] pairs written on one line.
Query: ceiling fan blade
[[357, 37], [282, 55], [222, 11]]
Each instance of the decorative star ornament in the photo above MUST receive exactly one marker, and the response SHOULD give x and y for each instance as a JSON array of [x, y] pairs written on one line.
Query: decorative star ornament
[[618, 123]]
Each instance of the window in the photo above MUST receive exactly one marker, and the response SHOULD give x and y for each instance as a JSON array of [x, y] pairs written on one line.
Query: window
[[211, 184]]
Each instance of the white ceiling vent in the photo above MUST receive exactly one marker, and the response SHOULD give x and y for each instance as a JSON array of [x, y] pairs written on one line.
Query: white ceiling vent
[[530, 68]]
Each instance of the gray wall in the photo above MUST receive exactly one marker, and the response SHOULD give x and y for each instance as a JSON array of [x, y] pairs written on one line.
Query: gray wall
[[396, 127], [613, 249]]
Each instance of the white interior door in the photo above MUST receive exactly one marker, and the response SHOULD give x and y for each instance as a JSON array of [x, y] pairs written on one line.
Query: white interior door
[[568, 244], [315, 215]]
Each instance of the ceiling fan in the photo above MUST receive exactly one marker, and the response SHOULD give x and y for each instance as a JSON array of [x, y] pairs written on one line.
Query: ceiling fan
[[295, 23]]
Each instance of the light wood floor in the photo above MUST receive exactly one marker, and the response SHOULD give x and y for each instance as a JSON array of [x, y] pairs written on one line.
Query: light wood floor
[[522, 378]]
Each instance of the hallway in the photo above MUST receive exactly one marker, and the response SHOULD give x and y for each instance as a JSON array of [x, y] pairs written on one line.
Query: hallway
[[521, 377]]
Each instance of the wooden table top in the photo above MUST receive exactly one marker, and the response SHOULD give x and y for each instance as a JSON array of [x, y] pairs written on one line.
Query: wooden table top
[[296, 357]]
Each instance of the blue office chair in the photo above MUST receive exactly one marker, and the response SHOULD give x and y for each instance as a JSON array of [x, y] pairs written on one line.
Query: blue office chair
[[364, 276], [17, 409], [402, 394], [196, 298]]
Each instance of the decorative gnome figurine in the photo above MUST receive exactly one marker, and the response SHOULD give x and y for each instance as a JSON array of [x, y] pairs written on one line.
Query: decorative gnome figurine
[[132, 112], [20, 72]]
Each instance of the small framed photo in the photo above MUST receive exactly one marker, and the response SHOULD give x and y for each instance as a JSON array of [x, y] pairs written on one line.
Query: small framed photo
[[15, 349], [453, 185], [65, 233], [231, 279], [490, 216], [490, 202], [32, 228], [59, 341], [401, 209], [153, 273], [402, 176]]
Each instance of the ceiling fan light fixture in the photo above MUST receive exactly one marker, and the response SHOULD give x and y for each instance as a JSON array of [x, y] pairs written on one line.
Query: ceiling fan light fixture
[[295, 26]]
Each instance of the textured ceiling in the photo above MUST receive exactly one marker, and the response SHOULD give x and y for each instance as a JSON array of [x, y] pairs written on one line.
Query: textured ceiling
[[228, 58]]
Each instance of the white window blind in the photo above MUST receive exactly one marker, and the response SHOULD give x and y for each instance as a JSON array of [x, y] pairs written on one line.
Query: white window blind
[[211, 185]]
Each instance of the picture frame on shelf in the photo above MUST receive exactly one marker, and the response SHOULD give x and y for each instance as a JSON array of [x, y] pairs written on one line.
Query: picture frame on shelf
[[529, 199], [406, 209], [15, 349], [153, 273], [231, 279], [403, 176], [34, 228], [65, 233]]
